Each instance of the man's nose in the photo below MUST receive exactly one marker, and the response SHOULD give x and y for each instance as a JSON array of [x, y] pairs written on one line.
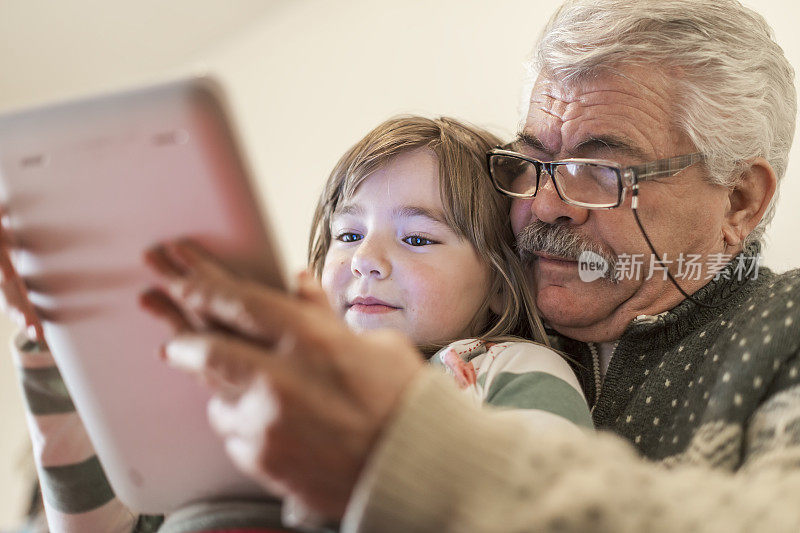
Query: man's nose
[[548, 206], [371, 259]]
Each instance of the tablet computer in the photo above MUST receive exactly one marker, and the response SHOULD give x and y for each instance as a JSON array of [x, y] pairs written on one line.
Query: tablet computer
[[87, 186]]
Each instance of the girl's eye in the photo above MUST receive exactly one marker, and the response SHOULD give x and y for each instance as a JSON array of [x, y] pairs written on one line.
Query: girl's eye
[[416, 240], [349, 237]]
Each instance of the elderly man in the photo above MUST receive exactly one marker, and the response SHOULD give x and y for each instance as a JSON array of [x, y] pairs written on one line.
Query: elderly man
[[676, 118]]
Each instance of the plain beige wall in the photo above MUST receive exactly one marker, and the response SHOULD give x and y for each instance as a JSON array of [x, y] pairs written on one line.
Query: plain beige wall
[[307, 78]]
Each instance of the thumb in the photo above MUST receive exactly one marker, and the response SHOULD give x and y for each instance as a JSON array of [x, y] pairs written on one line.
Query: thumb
[[310, 290], [226, 363]]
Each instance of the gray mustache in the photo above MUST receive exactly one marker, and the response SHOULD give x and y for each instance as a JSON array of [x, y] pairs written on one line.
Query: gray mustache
[[561, 240]]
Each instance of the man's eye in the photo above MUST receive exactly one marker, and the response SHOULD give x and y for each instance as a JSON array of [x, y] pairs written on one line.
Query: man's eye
[[349, 237], [416, 240]]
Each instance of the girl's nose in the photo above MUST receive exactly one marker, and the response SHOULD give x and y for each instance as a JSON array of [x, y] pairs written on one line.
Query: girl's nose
[[370, 259]]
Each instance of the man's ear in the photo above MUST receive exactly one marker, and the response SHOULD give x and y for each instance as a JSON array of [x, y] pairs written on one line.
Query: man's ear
[[749, 200]]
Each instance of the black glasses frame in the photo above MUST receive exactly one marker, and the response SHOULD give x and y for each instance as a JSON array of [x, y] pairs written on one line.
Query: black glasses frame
[[627, 177]]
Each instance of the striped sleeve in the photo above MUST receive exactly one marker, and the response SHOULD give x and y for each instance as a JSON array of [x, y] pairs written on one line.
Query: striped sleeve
[[75, 491], [531, 378]]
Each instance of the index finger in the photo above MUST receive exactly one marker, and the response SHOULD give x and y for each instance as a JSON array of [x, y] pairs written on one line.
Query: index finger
[[246, 307], [227, 364]]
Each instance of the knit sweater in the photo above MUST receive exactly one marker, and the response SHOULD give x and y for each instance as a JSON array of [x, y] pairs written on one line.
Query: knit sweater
[[687, 381], [711, 393]]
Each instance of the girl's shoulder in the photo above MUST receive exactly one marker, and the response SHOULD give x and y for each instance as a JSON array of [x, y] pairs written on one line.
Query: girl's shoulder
[[466, 349], [469, 349], [515, 356]]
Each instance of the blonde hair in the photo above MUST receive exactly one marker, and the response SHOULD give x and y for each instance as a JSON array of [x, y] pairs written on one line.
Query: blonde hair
[[473, 209]]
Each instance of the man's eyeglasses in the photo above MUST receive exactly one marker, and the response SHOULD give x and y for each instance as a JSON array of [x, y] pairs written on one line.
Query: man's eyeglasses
[[587, 183]]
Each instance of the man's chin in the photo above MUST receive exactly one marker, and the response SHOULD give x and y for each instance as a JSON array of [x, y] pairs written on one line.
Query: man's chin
[[581, 311], [562, 306]]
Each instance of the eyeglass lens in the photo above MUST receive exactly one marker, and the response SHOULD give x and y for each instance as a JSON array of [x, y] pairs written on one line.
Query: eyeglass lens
[[579, 182]]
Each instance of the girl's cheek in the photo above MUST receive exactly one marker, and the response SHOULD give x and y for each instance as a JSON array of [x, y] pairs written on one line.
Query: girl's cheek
[[334, 276]]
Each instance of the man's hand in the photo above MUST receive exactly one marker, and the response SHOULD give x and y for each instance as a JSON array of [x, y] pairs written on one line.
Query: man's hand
[[299, 399]]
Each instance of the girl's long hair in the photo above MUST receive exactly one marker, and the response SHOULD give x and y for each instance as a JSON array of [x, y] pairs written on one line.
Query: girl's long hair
[[472, 207]]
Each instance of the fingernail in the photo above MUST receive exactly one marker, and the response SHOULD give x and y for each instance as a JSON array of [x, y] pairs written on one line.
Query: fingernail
[[150, 298], [32, 332], [156, 248], [179, 289], [185, 354], [145, 297]]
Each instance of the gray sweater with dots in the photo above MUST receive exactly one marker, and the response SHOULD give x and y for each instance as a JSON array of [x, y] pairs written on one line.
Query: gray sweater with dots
[[716, 385]]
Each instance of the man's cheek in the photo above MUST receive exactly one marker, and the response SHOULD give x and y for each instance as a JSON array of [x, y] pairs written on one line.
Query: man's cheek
[[520, 215]]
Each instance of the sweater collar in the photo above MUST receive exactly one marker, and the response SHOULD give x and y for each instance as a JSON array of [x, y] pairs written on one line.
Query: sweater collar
[[732, 283]]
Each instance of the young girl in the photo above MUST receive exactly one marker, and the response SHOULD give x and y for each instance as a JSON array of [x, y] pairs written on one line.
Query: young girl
[[409, 234]]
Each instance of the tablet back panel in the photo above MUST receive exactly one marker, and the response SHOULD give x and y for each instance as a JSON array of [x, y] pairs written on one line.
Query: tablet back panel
[[87, 187]]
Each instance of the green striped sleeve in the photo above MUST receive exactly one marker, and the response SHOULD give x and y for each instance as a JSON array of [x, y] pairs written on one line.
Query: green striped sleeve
[[76, 488], [539, 390], [45, 392]]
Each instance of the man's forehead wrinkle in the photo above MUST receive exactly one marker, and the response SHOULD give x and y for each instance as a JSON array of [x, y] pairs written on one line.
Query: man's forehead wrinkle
[[628, 137], [633, 101], [635, 107], [547, 111], [637, 78], [610, 105], [637, 84], [650, 81], [549, 104], [556, 101], [578, 128]]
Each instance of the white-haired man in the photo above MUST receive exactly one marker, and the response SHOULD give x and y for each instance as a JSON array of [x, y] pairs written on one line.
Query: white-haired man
[[656, 136], [657, 132]]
